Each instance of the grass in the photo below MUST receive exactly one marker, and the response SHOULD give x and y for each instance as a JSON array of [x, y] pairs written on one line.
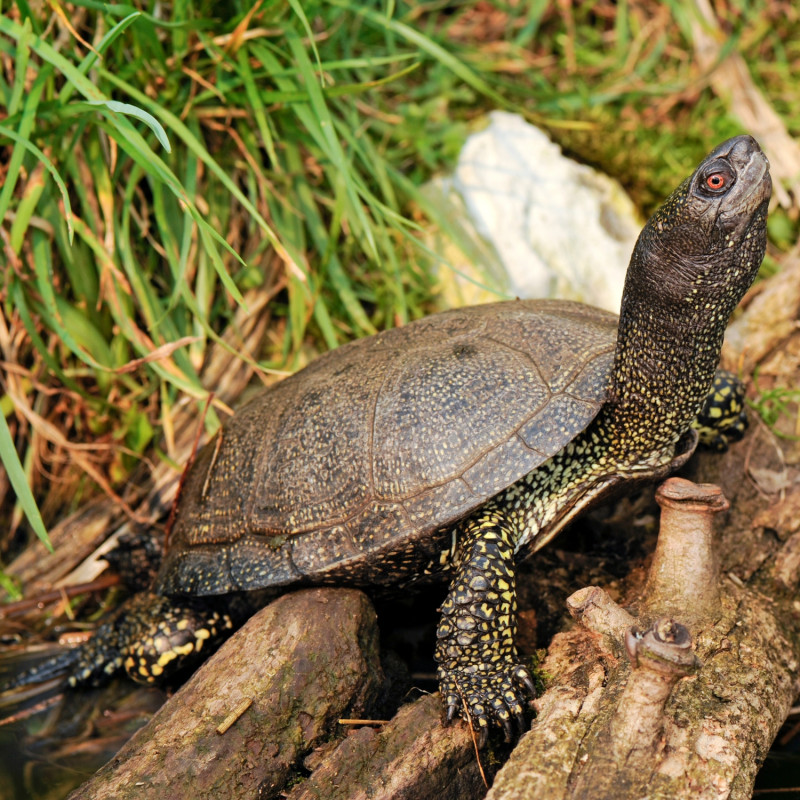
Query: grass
[[163, 161], [778, 408], [266, 140]]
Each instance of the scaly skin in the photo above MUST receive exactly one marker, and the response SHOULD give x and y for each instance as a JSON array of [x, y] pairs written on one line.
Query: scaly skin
[[723, 417], [475, 638], [149, 637]]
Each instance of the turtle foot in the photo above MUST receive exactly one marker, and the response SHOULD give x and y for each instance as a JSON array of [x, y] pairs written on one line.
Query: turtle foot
[[161, 636], [493, 696], [151, 638]]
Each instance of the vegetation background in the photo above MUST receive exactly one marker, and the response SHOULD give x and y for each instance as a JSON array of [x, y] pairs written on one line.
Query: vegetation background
[[166, 168]]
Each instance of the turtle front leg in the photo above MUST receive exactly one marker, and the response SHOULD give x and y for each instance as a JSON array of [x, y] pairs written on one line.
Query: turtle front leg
[[479, 670], [722, 419]]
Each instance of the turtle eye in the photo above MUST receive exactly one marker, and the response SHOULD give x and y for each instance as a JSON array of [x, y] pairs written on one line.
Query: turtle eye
[[716, 179]]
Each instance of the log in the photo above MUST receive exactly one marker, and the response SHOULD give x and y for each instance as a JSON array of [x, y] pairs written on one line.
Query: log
[[242, 723], [412, 758]]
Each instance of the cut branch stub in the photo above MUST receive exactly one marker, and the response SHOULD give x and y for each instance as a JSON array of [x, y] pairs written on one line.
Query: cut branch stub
[[660, 656], [595, 610], [665, 647], [684, 577]]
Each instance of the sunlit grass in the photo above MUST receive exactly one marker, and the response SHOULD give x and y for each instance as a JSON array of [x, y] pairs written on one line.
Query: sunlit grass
[[157, 174]]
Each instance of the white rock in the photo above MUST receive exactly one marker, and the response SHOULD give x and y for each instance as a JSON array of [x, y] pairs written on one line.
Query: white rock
[[558, 228]]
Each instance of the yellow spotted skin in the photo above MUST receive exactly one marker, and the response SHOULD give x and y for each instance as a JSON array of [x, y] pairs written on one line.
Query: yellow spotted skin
[[455, 445], [723, 417], [151, 638], [478, 666]]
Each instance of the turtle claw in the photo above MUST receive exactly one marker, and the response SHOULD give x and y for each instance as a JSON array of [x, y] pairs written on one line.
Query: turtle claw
[[483, 737], [522, 723], [508, 732], [452, 709], [524, 677]]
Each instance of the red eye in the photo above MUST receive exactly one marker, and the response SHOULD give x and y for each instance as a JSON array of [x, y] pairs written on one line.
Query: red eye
[[716, 181]]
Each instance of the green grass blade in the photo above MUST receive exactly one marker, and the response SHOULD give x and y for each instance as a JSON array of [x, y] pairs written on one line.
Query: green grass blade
[[91, 57], [259, 109], [138, 113], [31, 147], [319, 122], [300, 14], [20, 69], [436, 51], [19, 483]]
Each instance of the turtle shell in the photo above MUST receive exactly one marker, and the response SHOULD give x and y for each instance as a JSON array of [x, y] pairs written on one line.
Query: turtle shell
[[356, 465]]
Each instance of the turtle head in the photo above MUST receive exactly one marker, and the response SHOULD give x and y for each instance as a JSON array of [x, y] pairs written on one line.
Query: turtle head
[[706, 242], [714, 208], [693, 262]]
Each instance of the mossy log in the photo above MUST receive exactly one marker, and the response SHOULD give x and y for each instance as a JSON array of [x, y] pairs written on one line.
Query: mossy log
[[412, 758], [243, 722]]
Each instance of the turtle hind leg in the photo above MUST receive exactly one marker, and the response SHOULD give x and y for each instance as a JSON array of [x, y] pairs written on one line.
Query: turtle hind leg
[[722, 419], [479, 671], [150, 637], [92, 663], [57, 668], [158, 637]]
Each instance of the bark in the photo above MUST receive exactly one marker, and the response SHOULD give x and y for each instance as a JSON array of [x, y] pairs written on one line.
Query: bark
[[412, 758], [279, 686], [250, 718], [684, 576]]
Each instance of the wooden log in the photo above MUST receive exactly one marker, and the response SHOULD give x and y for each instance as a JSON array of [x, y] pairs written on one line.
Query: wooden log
[[717, 725], [414, 757], [276, 690]]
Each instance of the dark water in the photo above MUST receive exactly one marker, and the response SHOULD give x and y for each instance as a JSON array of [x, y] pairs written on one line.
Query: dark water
[[47, 754], [779, 778]]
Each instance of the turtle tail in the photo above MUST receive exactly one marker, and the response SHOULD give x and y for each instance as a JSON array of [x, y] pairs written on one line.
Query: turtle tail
[[51, 668]]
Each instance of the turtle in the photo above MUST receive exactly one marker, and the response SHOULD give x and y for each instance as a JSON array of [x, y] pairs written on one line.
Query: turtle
[[455, 445]]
